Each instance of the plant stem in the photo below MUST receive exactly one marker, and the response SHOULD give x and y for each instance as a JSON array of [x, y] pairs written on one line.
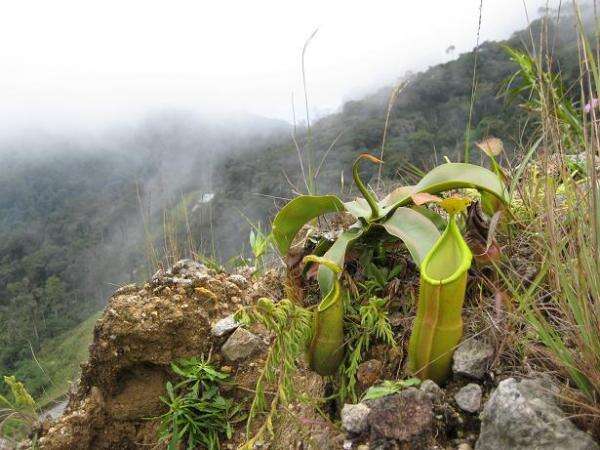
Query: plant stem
[[368, 195]]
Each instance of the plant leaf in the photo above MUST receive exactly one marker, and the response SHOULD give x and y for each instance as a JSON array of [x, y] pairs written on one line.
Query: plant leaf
[[337, 254], [418, 233], [396, 195], [437, 219], [421, 198], [446, 177], [299, 211], [359, 208]]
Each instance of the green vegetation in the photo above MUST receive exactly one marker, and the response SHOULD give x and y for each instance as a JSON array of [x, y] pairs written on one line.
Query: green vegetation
[[51, 369], [18, 411], [557, 212], [198, 414], [326, 348], [75, 224], [389, 387], [552, 218], [418, 232], [290, 325], [63, 239], [366, 324]]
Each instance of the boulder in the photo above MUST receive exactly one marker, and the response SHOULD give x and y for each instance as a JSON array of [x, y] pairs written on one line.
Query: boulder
[[224, 326], [142, 331], [239, 280], [241, 345], [472, 358], [406, 417], [369, 372], [433, 391], [524, 415], [354, 418], [468, 398]]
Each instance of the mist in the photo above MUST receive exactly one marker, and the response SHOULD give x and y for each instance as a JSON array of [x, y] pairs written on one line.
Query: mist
[[69, 65]]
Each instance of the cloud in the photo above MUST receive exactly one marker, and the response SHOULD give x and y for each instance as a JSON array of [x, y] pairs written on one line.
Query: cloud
[[68, 63]]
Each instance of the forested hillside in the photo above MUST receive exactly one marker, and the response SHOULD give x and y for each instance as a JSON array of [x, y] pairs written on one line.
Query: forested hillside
[[78, 217], [76, 214], [427, 122]]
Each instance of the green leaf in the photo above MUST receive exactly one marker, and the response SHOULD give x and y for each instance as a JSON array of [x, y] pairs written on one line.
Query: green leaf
[[437, 219], [359, 208], [292, 217], [337, 254], [388, 388], [446, 177], [418, 233]]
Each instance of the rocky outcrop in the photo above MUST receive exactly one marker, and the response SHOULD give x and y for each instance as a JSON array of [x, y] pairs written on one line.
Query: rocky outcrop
[[143, 329], [188, 311], [524, 415]]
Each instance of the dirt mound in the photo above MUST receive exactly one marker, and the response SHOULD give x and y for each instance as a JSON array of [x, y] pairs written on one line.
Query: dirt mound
[[143, 329]]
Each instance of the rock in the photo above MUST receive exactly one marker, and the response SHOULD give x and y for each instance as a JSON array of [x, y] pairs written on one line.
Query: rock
[[354, 418], [464, 446], [240, 345], [468, 398], [239, 280], [54, 412], [182, 281], [406, 417], [524, 415], [433, 391], [472, 358], [369, 372], [224, 326], [127, 289], [185, 266]]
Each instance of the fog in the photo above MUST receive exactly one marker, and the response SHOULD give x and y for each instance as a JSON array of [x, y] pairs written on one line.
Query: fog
[[69, 65]]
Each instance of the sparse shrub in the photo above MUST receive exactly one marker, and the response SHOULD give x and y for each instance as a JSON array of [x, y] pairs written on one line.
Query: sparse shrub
[[364, 325]]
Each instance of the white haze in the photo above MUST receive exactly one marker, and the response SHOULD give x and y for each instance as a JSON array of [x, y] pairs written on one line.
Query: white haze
[[73, 64]]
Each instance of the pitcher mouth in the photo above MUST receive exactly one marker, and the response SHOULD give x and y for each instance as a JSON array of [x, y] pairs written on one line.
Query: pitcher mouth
[[449, 258]]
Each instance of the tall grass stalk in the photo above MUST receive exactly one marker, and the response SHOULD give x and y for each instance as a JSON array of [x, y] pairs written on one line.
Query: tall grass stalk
[[557, 211]]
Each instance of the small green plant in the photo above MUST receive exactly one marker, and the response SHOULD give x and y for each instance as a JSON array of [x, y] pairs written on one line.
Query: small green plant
[[365, 325], [19, 414], [377, 220], [198, 414], [259, 244], [379, 278], [290, 324], [561, 306], [389, 387]]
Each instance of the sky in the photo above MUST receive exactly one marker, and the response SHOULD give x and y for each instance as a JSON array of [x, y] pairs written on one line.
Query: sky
[[78, 63]]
